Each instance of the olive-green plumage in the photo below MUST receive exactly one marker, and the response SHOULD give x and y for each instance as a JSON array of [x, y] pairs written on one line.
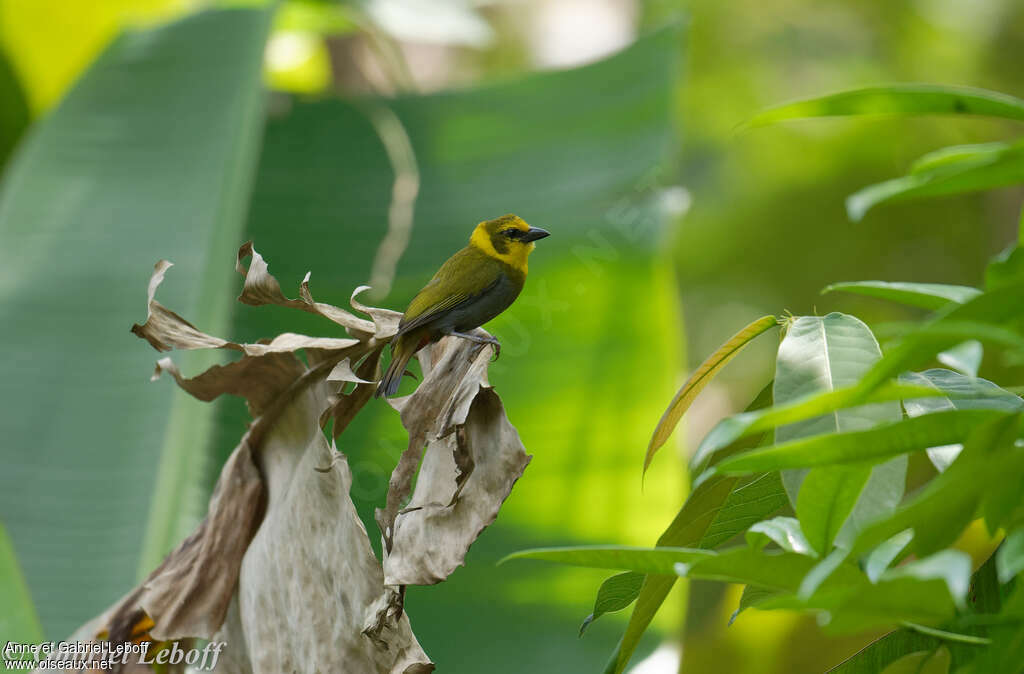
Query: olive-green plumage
[[471, 287]]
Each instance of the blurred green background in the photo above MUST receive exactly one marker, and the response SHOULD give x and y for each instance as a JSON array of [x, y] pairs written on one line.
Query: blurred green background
[[134, 130]]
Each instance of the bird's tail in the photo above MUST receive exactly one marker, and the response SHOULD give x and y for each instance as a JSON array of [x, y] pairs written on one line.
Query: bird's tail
[[402, 349]]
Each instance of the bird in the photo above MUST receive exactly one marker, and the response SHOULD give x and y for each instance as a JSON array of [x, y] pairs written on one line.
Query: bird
[[473, 286]]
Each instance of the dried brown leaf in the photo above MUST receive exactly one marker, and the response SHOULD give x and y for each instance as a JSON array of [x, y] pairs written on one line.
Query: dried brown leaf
[[473, 457], [433, 534]]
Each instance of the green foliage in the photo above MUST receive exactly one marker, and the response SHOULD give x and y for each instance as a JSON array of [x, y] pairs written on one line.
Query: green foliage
[[164, 173], [843, 419], [18, 622]]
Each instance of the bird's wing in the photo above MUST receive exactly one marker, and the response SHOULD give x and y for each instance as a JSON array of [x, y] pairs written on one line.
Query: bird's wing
[[417, 316]]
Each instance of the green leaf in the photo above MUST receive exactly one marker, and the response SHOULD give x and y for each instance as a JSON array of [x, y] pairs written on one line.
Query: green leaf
[[1010, 556], [924, 295], [946, 635], [730, 430], [150, 155], [751, 500], [660, 560], [18, 621], [699, 379], [752, 597], [899, 99], [1006, 269], [715, 511], [14, 113], [987, 466], [885, 554], [964, 357], [826, 354], [780, 572], [912, 637], [966, 393], [783, 531], [993, 307], [921, 662], [953, 567], [615, 594], [827, 497], [1007, 650], [993, 165], [940, 428]]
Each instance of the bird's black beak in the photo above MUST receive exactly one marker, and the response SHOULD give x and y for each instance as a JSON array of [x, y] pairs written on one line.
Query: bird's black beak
[[534, 233]]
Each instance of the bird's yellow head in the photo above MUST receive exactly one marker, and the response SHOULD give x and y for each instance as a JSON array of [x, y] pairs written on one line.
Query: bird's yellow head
[[508, 239]]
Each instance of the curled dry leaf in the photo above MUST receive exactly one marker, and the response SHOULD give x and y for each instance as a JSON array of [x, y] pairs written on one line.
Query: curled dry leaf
[[473, 457], [281, 568]]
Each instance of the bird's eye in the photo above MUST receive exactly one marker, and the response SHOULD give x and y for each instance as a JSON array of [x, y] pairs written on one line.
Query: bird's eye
[[511, 233]]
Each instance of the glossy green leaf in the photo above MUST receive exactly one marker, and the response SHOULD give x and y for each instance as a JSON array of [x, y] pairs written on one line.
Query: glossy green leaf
[[987, 467], [996, 165], [660, 560], [994, 308], [1010, 556], [731, 429], [826, 499], [962, 642], [699, 379], [773, 571], [18, 620], [941, 428], [899, 99], [888, 603], [826, 354], [885, 554], [924, 295], [966, 393], [149, 156], [615, 594], [965, 357], [953, 567], [783, 531], [1007, 650]]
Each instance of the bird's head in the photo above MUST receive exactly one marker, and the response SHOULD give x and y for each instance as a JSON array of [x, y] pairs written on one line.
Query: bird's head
[[508, 239]]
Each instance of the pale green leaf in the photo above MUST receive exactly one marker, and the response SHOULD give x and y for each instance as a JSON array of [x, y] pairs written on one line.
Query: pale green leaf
[[924, 295], [985, 169], [783, 531], [885, 554], [965, 393], [1010, 556], [940, 428], [965, 357], [899, 99], [660, 560], [699, 379], [615, 594]]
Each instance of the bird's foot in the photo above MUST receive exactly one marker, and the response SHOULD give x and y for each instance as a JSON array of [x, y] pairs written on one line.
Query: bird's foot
[[480, 340]]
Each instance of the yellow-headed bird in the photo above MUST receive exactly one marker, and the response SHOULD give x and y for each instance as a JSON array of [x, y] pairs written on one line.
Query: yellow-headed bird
[[472, 287]]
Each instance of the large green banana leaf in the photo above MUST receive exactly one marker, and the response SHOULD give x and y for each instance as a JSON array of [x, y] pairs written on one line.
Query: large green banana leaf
[[149, 156]]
